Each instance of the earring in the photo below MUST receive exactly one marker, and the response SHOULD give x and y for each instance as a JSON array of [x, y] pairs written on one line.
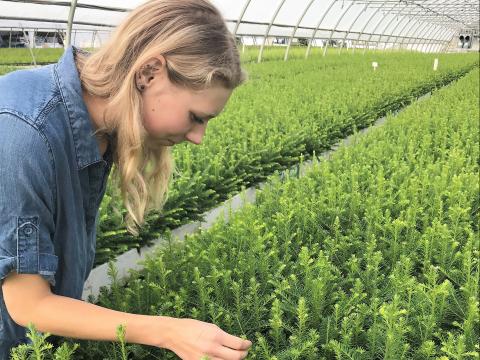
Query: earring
[[139, 83], [146, 71]]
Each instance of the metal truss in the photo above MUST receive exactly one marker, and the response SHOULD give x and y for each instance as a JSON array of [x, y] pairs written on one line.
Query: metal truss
[[410, 16], [351, 26], [317, 28], [429, 25], [268, 30], [70, 3], [458, 14], [335, 27], [296, 28]]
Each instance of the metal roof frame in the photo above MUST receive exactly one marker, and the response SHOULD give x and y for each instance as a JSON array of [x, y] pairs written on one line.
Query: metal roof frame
[[429, 24], [336, 25], [442, 13], [296, 28]]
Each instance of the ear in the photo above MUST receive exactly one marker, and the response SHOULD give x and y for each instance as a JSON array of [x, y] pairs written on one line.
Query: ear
[[152, 68]]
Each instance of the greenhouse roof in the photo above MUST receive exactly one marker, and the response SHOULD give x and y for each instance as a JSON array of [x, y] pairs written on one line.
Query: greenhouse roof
[[361, 20]]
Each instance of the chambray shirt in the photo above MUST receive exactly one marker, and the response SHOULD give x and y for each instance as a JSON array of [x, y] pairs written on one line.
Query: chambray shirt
[[52, 180]]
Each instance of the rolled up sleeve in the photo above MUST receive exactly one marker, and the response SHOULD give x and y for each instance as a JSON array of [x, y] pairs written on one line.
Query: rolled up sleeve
[[27, 200]]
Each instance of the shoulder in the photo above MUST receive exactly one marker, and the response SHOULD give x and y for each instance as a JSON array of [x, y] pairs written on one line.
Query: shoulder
[[21, 141], [27, 160], [29, 93]]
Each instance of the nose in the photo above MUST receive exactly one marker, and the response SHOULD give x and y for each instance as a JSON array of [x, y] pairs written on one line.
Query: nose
[[195, 135]]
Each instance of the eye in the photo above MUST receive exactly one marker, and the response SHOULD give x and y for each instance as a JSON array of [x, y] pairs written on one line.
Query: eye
[[196, 119]]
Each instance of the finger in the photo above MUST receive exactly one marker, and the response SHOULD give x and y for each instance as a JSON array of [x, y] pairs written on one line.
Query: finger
[[226, 353], [234, 342]]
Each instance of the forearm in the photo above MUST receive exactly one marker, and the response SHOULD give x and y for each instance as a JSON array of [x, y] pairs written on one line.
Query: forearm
[[67, 317]]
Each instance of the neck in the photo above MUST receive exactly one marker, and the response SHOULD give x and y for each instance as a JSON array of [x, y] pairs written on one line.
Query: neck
[[96, 108]]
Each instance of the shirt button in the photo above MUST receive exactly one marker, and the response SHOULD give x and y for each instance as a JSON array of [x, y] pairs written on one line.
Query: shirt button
[[28, 229]]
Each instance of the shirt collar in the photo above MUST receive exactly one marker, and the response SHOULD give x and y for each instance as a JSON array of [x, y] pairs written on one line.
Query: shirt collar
[[86, 146]]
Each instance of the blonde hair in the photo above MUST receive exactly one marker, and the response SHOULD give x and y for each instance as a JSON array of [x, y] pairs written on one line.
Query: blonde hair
[[199, 51]]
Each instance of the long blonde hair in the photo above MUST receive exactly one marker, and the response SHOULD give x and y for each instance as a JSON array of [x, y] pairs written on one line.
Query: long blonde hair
[[200, 52]]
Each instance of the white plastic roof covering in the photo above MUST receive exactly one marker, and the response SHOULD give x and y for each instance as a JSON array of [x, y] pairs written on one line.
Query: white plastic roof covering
[[384, 21]]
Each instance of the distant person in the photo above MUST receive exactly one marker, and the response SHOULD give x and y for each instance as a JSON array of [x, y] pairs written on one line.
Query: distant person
[[169, 68]]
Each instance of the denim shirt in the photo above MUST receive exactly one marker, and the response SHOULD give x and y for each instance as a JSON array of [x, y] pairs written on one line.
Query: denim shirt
[[52, 180]]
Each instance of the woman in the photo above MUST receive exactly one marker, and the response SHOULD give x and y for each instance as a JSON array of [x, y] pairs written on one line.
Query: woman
[[167, 70]]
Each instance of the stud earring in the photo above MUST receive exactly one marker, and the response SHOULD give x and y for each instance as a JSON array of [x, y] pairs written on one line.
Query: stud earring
[[146, 72], [139, 83]]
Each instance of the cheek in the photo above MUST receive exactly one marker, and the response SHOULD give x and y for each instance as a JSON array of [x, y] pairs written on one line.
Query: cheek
[[152, 116], [148, 119], [163, 118]]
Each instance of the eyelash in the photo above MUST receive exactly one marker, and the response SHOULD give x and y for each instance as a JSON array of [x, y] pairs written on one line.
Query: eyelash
[[196, 119]]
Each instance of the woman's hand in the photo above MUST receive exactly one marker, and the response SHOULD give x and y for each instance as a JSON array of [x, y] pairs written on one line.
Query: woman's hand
[[193, 340]]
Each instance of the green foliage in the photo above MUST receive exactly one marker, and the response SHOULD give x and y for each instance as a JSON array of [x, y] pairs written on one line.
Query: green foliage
[[22, 56], [286, 112], [4, 69], [39, 349], [121, 352], [372, 255]]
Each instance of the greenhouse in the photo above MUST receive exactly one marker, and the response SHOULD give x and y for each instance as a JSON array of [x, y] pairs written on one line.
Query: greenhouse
[[331, 210]]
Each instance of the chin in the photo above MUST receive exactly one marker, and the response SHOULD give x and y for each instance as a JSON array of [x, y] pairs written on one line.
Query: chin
[[160, 142]]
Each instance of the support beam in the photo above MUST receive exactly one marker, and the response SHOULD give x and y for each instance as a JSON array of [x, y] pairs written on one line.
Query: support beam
[[437, 36], [27, 38], [268, 30], [335, 27], [410, 21], [429, 30], [240, 18], [71, 15], [421, 35], [453, 36], [432, 36], [415, 26], [444, 36], [351, 26], [94, 34], [68, 4], [295, 29], [432, 39], [318, 27], [437, 3], [388, 25], [368, 21], [418, 31], [393, 30], [448, 38], [411, 18], [378, 24]]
